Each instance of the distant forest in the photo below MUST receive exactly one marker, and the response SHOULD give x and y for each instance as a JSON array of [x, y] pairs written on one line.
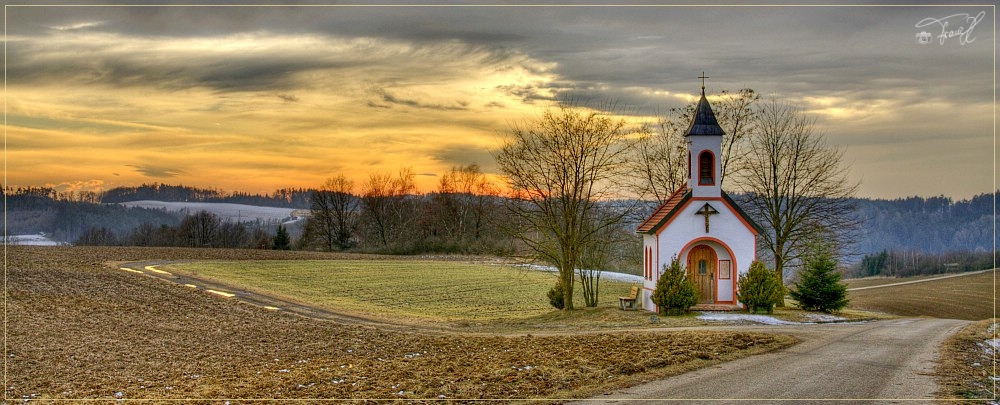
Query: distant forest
[[283, 198], [898, 237]]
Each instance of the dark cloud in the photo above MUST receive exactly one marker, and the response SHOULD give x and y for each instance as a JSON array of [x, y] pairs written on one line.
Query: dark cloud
[[863, 58], [154, 171], [467, 155], [803, 49], [391, 99]]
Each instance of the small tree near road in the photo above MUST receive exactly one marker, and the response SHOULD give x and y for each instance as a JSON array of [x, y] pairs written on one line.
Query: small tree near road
[[760, 288], [819, 288], [674, 293]]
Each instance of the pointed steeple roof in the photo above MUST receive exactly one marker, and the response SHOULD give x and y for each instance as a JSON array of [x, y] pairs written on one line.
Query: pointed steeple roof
[[704, 122]]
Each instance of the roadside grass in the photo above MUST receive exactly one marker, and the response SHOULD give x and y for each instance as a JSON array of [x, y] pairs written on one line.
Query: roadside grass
[[81, 330], [400, 291], [967, 297], [968, 367]]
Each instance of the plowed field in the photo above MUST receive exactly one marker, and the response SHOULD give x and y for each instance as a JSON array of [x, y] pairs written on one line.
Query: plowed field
[[970, 297], [77, 328]]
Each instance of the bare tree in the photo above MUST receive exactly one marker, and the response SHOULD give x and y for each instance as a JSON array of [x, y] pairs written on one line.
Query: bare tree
[[385, 205], [559, 166], [199, 230], [464, 194], [736, 114], [794, 183], [661, 158], [333, 211]]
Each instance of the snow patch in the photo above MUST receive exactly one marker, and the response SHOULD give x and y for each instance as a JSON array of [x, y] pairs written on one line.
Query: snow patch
[[605, 275], [824, 318], [766, 319], [32, 240], [734, 317], [226, 211]]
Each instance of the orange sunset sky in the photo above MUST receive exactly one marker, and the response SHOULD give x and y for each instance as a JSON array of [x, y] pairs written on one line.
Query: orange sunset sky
[[253, 98]]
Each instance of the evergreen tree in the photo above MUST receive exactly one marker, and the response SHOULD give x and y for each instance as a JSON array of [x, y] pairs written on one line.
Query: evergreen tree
[[281, 240], [760, 288], [820, 288], [675, 293], [556, 296]]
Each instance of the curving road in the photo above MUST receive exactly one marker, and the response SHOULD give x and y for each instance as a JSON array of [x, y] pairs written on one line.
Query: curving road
[[871, 363]]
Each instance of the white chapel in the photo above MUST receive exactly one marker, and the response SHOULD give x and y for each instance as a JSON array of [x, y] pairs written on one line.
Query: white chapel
[[699, 223]]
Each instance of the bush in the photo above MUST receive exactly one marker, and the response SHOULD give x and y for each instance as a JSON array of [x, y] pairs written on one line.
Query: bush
[[760, 288], [819, 288], [556, 296], [674, 293]]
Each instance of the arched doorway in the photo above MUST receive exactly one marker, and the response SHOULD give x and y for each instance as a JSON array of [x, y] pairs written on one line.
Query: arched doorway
[[701, 264]]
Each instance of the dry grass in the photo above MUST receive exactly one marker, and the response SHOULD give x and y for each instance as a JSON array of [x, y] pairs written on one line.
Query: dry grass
[[78, 329], [968, 297], [968, 363]]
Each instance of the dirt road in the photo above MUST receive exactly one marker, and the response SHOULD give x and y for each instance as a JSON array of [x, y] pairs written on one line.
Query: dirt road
[[873, 362]]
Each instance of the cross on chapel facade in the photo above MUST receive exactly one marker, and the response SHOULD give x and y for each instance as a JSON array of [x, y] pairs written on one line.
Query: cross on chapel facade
[[715, 251]]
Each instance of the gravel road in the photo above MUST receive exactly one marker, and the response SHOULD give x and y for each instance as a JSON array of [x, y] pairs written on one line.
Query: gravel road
[[870, 363]]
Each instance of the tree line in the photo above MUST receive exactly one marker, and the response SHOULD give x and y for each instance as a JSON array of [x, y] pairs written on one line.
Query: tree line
[[912, 262], [201, 230], [283, 198], [934, 225], [33, 210]]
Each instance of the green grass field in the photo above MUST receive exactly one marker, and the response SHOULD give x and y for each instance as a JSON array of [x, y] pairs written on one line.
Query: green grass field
[[400, 290]]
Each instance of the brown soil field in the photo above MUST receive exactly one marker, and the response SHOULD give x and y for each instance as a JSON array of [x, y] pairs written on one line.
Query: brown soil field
[[79, 329], [876, 281], [968, 363], [969, 297]]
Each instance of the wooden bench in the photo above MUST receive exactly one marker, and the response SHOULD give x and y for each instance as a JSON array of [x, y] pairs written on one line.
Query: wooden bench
[[629, 303]]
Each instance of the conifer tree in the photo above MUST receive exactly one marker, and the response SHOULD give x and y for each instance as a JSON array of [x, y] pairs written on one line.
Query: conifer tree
[[819, 288], [675, 292], [281, 239]]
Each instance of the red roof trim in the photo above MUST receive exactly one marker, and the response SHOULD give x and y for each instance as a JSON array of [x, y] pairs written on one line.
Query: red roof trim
[[665, 211]]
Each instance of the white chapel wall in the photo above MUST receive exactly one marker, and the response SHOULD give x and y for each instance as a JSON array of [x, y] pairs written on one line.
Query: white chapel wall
[[687, 226]]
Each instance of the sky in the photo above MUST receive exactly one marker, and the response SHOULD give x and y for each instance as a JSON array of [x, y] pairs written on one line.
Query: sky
[[255, 98]]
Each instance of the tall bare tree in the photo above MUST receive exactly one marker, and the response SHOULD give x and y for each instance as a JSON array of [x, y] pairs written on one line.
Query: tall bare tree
[[334, 212], [795, 184], [385, 205], [559, 166]]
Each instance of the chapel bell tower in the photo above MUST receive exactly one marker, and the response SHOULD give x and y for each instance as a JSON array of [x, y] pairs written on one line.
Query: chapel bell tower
[[704, 139]]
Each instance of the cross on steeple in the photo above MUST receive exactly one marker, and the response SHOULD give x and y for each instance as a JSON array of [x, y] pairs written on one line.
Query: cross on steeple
[[707, 210], [703, 77]]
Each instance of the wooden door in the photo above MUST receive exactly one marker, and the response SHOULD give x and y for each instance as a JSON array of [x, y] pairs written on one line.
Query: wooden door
[[702, 264]]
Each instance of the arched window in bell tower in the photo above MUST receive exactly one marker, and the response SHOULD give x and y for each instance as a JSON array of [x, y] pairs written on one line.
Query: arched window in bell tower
[[706, 169]]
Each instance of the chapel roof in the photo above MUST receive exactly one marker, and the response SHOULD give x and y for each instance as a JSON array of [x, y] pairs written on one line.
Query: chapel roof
[[665, 211], [704, 122], [676, 202]]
